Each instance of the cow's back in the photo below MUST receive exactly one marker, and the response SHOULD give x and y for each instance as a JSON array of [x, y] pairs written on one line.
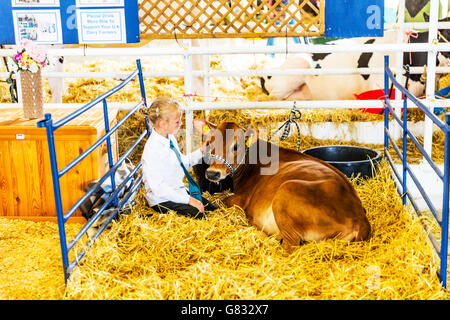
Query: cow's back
[[307, 199]]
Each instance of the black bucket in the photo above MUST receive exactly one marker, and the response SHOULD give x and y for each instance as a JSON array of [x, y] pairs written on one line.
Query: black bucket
[[350, 160]]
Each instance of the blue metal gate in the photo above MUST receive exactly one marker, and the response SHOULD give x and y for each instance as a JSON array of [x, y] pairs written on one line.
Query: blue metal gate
[[442, 247], [62, 217]]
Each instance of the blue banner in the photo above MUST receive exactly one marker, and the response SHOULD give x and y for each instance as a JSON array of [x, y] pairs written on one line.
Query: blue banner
[[69, 21], [354, 18]]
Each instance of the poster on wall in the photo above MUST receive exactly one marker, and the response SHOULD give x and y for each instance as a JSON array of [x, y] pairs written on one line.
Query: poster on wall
[[35, 3], [40, 26], [69, 21], [101, 26]]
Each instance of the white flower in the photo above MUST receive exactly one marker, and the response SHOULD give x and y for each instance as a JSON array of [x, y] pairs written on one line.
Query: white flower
[[34, 67], [23, 65]]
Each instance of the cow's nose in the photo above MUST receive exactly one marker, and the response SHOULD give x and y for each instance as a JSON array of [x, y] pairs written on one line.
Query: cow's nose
[[212, 175]]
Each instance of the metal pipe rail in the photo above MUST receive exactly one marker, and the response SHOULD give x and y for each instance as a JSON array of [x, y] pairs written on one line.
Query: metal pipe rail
[[102, 208], [411, 97], [232, 73], [99, 141], [250, 105], [295, 48], [107, 222], [399, 187], [113, 197], [103, 179], [422, 151], [94, 102], [401, 183], [416, 142]]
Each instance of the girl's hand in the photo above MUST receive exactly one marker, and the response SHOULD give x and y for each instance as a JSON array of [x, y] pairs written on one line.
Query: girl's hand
[[197, 204]]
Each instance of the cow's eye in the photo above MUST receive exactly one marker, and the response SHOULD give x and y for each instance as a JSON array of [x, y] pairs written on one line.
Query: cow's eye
[[269, 77]]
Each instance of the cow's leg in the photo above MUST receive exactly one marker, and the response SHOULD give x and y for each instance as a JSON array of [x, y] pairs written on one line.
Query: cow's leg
[[235, 200], [315, 211]]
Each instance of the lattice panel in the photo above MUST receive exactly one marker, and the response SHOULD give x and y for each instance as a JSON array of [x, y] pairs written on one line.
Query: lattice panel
[[169, 19]]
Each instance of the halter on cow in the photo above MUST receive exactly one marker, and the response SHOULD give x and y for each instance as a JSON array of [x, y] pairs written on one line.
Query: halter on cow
[[285, 192]]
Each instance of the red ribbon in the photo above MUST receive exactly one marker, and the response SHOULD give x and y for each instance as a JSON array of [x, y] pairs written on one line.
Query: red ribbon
[[410, 34], [190, 95]]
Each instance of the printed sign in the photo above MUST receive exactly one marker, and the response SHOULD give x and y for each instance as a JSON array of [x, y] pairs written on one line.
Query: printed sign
[[40, 26], [35, 3], [101, 26], [69, 21]]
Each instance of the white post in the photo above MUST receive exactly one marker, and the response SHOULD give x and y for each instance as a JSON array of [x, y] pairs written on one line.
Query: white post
[[399, 63], [207, 93], [188, 91], [431, 74]]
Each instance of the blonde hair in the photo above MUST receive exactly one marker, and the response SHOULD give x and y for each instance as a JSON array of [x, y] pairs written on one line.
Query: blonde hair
[[162, 108]]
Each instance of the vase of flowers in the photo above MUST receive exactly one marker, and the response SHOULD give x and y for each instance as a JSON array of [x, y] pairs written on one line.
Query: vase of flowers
[[27, 63]]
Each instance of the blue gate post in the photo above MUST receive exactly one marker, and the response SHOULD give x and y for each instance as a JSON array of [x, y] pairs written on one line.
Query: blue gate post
[[405, 139], [386, 109], [56, 174], [48, 124], [141, 81], [108, 145], [445, 206]]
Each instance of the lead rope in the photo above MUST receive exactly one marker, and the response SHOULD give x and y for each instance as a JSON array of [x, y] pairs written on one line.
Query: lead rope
[[294, 116]]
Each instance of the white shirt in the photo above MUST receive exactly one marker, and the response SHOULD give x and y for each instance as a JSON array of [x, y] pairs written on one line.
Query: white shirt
[[162, 171]]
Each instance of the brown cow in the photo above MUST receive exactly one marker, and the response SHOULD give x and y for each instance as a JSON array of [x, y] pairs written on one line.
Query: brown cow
[[302, 199]]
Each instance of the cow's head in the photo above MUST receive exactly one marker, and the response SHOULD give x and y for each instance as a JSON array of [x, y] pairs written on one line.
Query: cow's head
[[228, 146], [282, 87]]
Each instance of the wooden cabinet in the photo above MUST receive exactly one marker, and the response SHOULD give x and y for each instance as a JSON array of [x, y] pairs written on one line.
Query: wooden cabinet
[[26, 187]]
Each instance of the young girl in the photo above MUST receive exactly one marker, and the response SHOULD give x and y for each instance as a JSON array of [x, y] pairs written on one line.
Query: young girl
[[161, 168]]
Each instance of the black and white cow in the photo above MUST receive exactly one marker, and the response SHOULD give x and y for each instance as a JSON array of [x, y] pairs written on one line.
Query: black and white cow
[[419, 59], [344, 87]]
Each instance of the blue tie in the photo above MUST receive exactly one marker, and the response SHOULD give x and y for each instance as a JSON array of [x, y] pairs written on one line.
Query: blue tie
[[194, 189]]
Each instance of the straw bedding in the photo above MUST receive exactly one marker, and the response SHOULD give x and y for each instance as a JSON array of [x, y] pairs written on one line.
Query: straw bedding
[[146, 255], [30, 259], [152, 256]]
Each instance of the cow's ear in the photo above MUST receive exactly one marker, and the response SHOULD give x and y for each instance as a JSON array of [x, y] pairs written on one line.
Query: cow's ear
[[426, 17], [202, 126], [251, 136]]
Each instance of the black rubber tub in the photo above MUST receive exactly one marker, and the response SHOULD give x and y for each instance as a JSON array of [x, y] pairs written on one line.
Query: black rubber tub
[[350, 160]]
